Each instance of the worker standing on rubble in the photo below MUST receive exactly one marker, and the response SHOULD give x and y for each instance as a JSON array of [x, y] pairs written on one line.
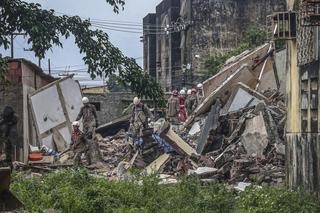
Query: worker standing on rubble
[[79, 144], [187, 103], [8, 133], [200, 94], [173, 108], [139, 118], [182, 106], [192, 102], [88, 114]]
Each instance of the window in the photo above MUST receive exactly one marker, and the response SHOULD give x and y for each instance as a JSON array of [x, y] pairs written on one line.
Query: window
[[97, 105]]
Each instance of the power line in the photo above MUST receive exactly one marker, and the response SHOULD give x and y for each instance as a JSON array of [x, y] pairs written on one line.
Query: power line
[[116, 22], [118, 30], [127, 31], [79, 65], [125, 24], [128, 28]]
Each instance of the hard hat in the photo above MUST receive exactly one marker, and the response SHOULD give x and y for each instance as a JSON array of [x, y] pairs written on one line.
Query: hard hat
[[175, 93], [85, 100], [189, 92], [75, 123], [194, 90], [182, 92], [199, 86], [136, 101]]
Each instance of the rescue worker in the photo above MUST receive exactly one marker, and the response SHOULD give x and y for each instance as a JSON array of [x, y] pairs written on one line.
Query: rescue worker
[[173, 108], [8, 134], [182, 106], [139, 118], [200, 94], [88, 114], [192, 103], [79, 144], [188, 102]]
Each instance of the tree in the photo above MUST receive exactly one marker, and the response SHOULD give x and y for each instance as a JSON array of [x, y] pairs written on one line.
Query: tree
[[45, 29]]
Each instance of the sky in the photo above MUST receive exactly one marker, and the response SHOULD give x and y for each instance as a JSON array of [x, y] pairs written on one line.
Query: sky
[[68, 57]]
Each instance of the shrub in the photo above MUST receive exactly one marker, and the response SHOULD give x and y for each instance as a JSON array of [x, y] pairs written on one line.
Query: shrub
[[77, 191], [269, 199]]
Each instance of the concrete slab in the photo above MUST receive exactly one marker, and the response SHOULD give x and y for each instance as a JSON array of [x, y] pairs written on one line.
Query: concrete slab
[[243, 96], [255, 136]]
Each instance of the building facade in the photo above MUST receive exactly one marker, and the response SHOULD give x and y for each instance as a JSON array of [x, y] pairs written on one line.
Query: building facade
[[190, 31], [149, 44]]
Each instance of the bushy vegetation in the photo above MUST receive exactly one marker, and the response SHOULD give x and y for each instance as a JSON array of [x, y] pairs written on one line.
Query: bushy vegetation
[[77, 191]]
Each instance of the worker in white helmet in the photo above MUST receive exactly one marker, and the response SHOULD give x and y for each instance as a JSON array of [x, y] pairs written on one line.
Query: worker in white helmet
[[79, 144], [139, 118], [182, 105], [88, 114], [200, 94]]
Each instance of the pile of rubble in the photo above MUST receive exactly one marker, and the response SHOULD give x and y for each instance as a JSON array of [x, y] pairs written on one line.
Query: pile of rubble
[[235, 135]]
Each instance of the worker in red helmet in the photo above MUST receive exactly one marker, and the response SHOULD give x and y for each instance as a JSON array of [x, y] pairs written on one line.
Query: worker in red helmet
[[173, 108], [192, 102]]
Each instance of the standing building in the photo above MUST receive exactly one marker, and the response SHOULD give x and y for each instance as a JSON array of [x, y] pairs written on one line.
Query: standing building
[[168, 41], [217, 26], [24, 78], [149, 44], [190, 31], [303, 67]]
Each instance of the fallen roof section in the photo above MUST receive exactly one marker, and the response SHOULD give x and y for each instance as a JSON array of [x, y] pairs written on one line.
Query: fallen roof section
[[250, 59], [243, 74]]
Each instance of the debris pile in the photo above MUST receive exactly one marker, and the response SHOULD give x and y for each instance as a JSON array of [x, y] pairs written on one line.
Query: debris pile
[[236, 135]]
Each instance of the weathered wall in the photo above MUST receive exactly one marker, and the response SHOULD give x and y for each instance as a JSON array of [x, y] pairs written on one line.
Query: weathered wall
[[218, 25], [168, 52], [111, 104], [149, 44], [23, 81]]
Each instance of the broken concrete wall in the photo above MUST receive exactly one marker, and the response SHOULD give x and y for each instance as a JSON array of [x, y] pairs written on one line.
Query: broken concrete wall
[[255, 137], [54, 107]]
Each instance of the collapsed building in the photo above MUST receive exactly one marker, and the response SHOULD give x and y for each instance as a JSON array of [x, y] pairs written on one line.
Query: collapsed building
[[235, 135]]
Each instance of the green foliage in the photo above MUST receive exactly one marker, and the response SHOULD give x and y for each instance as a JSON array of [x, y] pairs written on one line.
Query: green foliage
[[114, 84], [44, 29], [254, 37], [77, 191], [273, 200]]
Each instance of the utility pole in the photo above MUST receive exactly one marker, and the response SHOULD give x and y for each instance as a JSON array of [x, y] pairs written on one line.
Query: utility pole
[[49, 66], [12, 37], [11, 43]]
